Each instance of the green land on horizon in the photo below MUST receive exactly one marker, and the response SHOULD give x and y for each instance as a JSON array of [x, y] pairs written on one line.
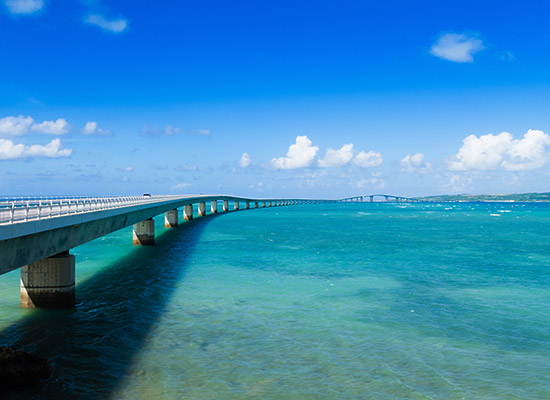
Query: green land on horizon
[[518, 197]]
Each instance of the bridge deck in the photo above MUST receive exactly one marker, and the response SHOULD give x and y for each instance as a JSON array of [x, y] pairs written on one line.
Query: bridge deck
[[32, 230]]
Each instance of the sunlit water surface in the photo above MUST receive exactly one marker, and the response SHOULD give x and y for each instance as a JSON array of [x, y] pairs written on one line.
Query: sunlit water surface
[[343, 301]]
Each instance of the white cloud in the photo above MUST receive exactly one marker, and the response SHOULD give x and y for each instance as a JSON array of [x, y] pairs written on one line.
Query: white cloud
[[299, 155], [15, 126], [415, 163], [91, 128], [245, 160], [24, 6], [58, 127], [126, 169], [337, 158], [20, 125], [11, 151], [115, 25], [368, 159], [491, 152], [181, 186], [456, 47]]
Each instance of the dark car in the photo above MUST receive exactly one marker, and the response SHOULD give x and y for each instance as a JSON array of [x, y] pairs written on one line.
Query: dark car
[[146, 194]]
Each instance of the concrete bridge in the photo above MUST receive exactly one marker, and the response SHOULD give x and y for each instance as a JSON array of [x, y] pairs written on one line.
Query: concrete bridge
[[371, 197], [390, 197], [36, 235]]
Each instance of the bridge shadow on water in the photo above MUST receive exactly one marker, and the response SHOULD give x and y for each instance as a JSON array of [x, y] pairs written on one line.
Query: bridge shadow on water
[[91, 347]]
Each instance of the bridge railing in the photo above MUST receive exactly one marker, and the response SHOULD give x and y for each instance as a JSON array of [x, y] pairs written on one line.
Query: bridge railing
[[26, 209]]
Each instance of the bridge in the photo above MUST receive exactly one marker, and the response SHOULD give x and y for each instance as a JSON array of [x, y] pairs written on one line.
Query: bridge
[[387, 197], [37, 234]]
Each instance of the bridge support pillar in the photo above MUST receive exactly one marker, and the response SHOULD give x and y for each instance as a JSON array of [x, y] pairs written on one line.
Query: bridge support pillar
[[171, 219], [236, 205], [263, 204], [144, 232], [188, 212], [214, 206], [255, 204], [202, 209], [226, 205], [246, 205], [49, 283]]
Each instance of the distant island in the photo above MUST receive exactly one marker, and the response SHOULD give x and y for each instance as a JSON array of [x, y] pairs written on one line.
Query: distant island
[[518, 197]]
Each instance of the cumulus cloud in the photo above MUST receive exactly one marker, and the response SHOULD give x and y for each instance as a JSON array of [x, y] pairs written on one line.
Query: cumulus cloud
[[24, 6], [20, 125], [491, 152], [58, 127], [415, 163], [15, 126], [368, 159], [11, 151], [181, 186], [114, 25], [126, 169], [91, 128], [457, 47], [299, 155], [337, 158], [245, 160]]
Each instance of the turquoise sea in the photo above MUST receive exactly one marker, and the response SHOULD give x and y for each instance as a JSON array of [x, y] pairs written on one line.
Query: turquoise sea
[[335, 301]]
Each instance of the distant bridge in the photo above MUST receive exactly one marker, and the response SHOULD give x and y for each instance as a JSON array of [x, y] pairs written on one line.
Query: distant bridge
[[386, 197], [36, 234]]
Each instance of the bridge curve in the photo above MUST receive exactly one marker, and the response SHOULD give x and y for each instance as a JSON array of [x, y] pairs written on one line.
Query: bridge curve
[[389, 197], [37, 234]]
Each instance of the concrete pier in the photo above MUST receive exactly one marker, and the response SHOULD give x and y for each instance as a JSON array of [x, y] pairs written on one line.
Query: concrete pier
[[255, 204], [246, 205], [171, 219], [214, 206], [263, 204], [49, 283], [226, 205], [235, 205], [202, 209], [188, 212], [144, 232]]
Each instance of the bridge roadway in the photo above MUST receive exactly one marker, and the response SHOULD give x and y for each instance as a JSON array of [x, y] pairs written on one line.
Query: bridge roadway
[[37, 234], [387, 197]]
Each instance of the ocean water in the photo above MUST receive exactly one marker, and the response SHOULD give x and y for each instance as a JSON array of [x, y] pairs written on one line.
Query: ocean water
[[336, 301]]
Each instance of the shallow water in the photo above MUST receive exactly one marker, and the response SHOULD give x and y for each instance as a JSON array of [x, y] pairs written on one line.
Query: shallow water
[[340, 301]]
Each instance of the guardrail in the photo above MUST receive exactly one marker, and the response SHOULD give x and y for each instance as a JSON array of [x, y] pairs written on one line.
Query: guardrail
[[27, 209]]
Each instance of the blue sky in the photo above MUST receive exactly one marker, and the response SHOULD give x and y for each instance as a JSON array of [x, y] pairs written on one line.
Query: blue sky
[[309, 99]]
